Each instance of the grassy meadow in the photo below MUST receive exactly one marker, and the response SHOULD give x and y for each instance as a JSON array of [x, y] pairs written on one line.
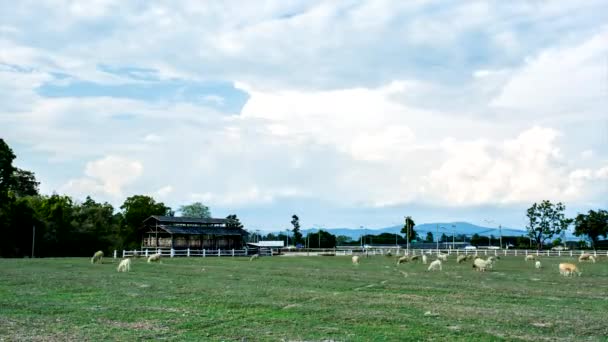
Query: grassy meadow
[[299, 299]]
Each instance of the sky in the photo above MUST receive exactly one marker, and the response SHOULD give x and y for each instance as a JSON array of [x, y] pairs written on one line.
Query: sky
[[347, 113]]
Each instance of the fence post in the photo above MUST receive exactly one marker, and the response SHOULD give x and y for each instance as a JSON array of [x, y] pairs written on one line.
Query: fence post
[[570, 253], [219, 252], [115, 252], [146, 252], [204, 253], [188, 252], [526, 252], [486, 252], [172, 252], [559, 253], [516, 252], [233, 252], [537, 253], [123, 253], [594, 253]]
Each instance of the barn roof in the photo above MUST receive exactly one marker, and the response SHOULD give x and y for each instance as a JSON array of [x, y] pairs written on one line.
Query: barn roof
[[185, 220], [201, 230]]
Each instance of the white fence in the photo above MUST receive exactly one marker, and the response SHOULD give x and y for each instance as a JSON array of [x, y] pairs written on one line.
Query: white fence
[[170, 252], [350, 251]]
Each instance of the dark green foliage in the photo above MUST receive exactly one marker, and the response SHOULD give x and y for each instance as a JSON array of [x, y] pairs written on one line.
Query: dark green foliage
[[24, 183], [409, 227], [233, 222], [297, 235], [593, 225], [321, 239], [135, 210], [546, 220], [429, 237]]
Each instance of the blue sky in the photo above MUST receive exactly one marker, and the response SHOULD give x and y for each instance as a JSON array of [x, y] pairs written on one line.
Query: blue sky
[[347, 113]]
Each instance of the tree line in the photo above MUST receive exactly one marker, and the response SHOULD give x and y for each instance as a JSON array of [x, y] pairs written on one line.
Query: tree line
[[57, 225]]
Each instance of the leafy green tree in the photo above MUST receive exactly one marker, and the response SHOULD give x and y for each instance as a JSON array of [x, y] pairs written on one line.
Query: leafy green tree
[[24, 183], [233, 222], [6, 169], [297, 235], [135, 210], [593, 225], [343, 240], [196, 209], [444, 238], [322, 239], [429, 237], [475, 240], [546, 220], [409, 223]]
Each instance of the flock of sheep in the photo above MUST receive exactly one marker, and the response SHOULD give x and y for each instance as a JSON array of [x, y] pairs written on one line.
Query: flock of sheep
[[481, 265], [125, 264]]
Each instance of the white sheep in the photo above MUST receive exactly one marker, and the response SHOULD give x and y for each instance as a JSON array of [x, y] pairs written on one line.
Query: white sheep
[[481, 264], [586, 257], [154, 258], [461, 258], [124, 266], [529, 257], [402, 260], [537, 264], [442, 257], [567, 269], [97, 257], [425, 259], [355, 260], [254, 257], [435, 265]]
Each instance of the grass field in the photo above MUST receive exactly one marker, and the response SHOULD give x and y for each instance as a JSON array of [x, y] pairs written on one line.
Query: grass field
[[299, 298]]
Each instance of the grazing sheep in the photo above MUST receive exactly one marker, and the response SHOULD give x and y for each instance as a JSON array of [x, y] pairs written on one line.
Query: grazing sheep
[[355, 259], [442, 257], [567, 269], [470, 257], [124, 266], [461, 259], [537, 264], [481, 264], [425, 259], [414, 257], [586, 257], [254, 257], [154, 257], [389, 254], [435, 265], [97, 257], [402, 260], [530, 257]]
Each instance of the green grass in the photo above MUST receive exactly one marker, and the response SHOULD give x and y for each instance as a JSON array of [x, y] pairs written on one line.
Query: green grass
[[299, 298]]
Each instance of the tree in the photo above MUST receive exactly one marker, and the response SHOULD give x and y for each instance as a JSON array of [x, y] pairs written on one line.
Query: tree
[[429, 237], [343, 239], [444, 238], [475, 240], [409, 223], [135, 210], [322, 239], [233, 222], [546, 220], [593, 225], [196, 209], [24, 183], [6, 169], [297, 235]]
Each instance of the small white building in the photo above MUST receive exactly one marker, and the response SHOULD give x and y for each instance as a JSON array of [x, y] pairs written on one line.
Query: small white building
[[267, 244]]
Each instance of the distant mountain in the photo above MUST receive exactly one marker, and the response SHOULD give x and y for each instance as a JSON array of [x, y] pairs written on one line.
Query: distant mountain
[[443, 228]]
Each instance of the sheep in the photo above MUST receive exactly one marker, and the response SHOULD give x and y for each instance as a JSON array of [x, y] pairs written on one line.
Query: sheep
[[414, 257], [425, 259], [537, 264], [470, 257], [530, 257], [586, 257], [154, 257], [254, 257], [461, 258], [442, 257], [435, 265], [481, 264], [97, 257], [124, 266], [567, 269], [402, 260], [355, 259]]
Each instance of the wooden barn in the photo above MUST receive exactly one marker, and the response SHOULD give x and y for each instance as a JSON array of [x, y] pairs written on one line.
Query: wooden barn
[[190, 232]]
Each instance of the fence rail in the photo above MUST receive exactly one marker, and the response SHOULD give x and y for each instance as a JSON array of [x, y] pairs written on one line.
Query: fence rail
[[169, 252]]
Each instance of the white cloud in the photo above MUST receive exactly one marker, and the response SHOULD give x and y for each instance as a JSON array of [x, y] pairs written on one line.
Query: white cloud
[[164, 191], [106, 176]]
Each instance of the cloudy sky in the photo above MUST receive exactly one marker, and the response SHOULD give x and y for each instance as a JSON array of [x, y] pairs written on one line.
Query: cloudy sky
[[347, 113]]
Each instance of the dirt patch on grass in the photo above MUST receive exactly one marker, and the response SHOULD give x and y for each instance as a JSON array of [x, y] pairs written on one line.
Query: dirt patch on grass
[[139, 325]]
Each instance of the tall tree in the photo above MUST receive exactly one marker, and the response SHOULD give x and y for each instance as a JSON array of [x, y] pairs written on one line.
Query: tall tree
[[135, 210], [297, 235], [409, 223], [24, 183], [321, 239], [196, 209], [593, 225], [233, 222], [546, 220], [6, 169], [429, 237]]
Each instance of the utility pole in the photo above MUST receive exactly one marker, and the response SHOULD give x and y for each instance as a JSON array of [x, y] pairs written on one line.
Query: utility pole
[[287, 230], [407, 235], [33, 239], [500, 234], [361, 238], [453, 237], [437, 232]]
